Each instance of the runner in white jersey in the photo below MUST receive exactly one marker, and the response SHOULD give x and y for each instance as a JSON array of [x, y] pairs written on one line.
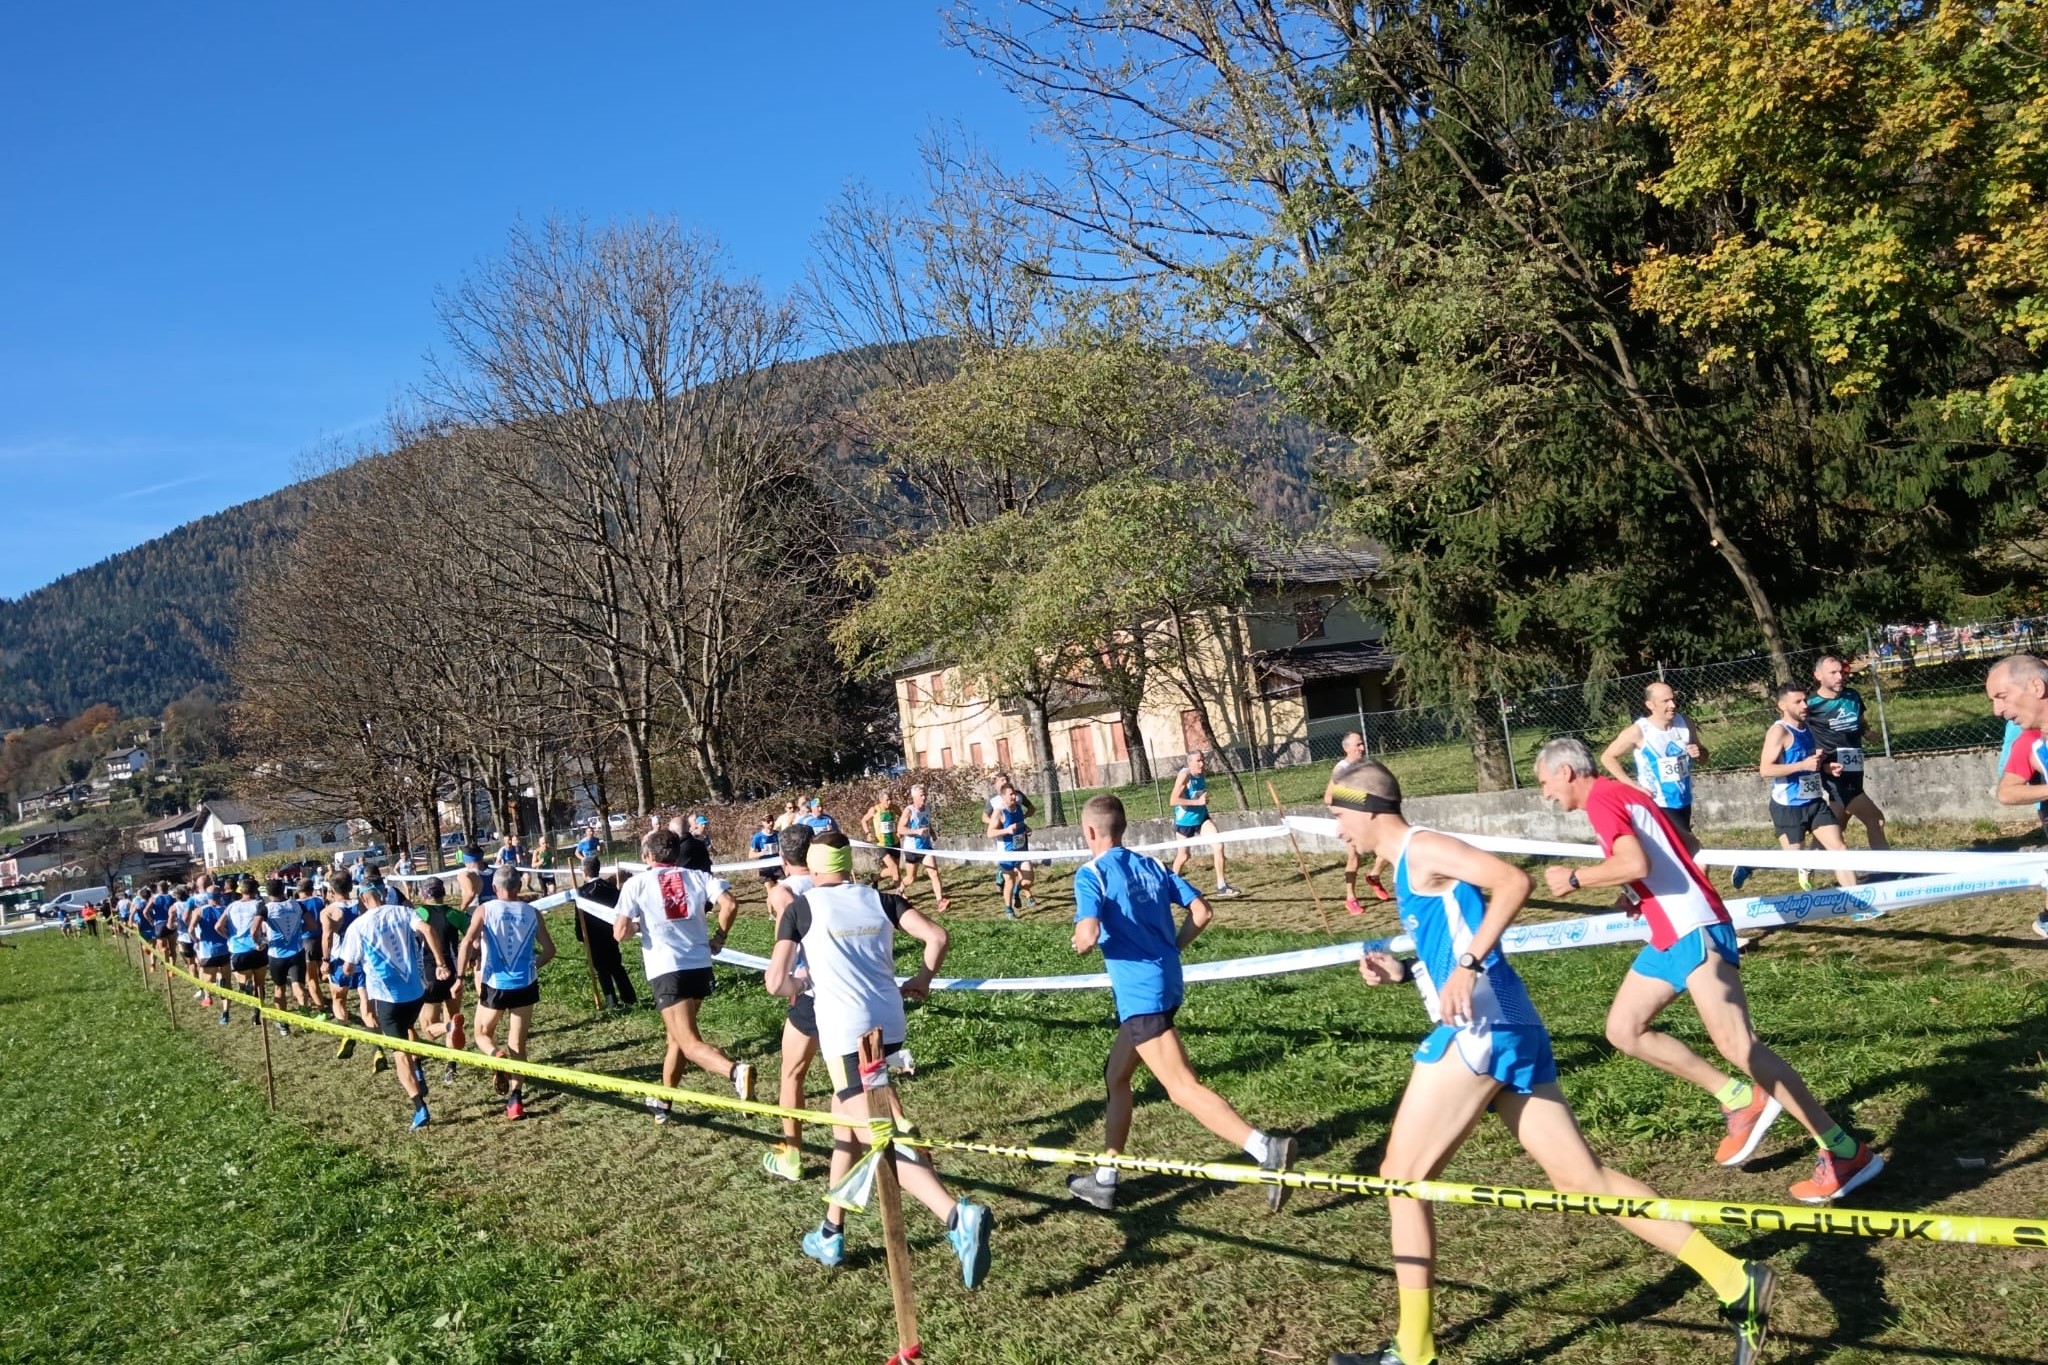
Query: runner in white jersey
[[509, 943], [1489, 1051], [242, 922], [800, 1026], [666, 906], [1353, 749], [284, 939], [1663, 749], [918, 832], [846, 934], [1692, 950], [384, 943]]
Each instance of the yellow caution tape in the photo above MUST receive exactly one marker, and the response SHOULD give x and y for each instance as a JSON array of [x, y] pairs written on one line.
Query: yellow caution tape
[[1912, 1227]]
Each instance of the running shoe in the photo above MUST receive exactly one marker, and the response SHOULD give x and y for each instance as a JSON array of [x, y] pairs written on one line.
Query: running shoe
[[456, 1040], [743, 1080], [1086, 1188], [515, 1108], [448, 1074], [1351, 904], [1834, 1177], [1750, 1314], [1805, 880], [1746, 1128], [1739, 876], [1028, 905], [346, 1050], [658, 1108], [827, 1248], [223, 1014], [1009, 911], [200, 996], [969, 1236], [420, 1115], [378, 1061], [2041, 924], [783, 1162], [256, 1018], [1379, 888], [1385, 1355], [1224, 891], [1279, 1157], [284, 1030]]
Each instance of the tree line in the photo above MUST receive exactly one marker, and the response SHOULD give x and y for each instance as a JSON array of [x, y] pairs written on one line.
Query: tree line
[[1662, 333]]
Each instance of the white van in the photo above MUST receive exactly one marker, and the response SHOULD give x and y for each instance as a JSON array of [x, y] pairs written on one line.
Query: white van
[[75, 901]]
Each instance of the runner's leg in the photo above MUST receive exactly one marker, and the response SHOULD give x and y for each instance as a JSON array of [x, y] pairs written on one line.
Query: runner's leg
[[1639, 1001]]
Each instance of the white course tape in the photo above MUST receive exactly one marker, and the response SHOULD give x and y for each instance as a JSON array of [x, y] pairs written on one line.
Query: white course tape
[[1816, 860], [1068, 853], [1587, 931]]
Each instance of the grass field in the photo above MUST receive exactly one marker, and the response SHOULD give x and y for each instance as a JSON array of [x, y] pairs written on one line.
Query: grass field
[[153, 1211]]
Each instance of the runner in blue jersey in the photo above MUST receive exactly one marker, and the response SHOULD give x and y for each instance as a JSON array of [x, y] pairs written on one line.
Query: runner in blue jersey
[[1124, 904], [243, 920], [1662, 749], [337, 917], [390, 946], [1793, 761], [163, 909], [766, 843], [508, 941], [1191, 819], [285, 923], [1009, 825], [918, 843], [210, 943], [1836, 715], [1489, 1050]]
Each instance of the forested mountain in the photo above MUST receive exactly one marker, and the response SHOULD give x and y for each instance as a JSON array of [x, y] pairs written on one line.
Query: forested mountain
[[141, 628]]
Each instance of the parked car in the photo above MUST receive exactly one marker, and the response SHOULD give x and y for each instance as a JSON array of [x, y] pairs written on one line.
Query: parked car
[[75, 901], [618, 822]]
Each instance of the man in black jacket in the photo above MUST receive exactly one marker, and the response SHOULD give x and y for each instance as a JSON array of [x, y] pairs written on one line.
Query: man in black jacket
[[598, 941]]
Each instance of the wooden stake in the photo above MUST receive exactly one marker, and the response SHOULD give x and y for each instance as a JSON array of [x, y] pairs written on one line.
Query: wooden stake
[[894, 1236], [269, 1076], [170, 998], [1299, 860]]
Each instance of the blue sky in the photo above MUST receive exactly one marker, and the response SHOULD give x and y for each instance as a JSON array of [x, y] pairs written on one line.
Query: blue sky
[[223, 225]]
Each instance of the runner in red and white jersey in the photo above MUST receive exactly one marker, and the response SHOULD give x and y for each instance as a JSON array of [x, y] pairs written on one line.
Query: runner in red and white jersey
[[2018, 691], [1692, 950]]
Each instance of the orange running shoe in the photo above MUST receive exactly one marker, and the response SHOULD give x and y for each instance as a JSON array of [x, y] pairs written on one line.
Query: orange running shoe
[[1379, 888], [1351, 904], [1835, 1176], [1746, 1128]]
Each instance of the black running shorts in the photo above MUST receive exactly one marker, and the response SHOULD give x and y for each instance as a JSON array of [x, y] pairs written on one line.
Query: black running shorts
[[1844, 789], [1796, 822], [1143, 1028], [1679, 816], [511, 997], [286, 971], [253, 961], [673, 988], [845, 1071], [395, 1018], [803, 1015]]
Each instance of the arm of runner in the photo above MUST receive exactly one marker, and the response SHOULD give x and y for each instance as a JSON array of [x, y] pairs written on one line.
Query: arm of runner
[[433, 941], [1610, 757], [464, 950], [1628, 863], [1382, 969], [546, 941], [1087, 911], [1774, 744], [1179, 795], [728, 911], [627, 922], [1506, 888], [1199, 914], [935, 940], [2014, 790], [778, 978]]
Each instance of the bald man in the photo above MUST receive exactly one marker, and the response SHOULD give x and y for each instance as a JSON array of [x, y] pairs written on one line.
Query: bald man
[[1664, 748], [2018, 689]]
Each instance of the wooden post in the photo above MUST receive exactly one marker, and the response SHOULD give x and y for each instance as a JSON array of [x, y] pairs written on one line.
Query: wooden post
[[170, 997], [1299, 860], [269, 1076], [894, 1236]]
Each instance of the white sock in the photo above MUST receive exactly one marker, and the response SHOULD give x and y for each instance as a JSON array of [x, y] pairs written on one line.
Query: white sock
[[1105, 1175], [1257, 1146]]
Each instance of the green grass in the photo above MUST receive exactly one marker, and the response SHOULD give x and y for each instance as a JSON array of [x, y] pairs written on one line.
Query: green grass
[[1927, 1030]]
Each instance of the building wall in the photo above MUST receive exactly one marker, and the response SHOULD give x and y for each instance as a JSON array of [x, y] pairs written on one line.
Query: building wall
[[943, 725]]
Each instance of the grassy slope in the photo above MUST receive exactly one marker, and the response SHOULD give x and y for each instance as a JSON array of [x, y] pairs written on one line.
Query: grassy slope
[[1927, 1029]]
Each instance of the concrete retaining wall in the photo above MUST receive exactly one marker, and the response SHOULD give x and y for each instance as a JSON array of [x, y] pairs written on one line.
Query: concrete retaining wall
[[1953, 786]]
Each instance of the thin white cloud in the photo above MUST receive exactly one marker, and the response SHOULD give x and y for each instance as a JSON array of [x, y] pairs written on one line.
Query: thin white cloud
[[160, 487]]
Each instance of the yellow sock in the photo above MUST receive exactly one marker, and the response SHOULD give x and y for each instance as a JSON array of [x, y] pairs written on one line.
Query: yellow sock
[[1415, 1338], [1722, 1272]]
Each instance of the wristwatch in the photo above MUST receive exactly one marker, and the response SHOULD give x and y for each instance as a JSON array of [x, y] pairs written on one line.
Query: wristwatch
[[1468, 961], [1572, 880]]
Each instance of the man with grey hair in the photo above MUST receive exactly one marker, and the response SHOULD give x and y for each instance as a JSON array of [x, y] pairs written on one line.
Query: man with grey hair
[[2017, 687], [1692, 949], [501, 941], [1663, 748]]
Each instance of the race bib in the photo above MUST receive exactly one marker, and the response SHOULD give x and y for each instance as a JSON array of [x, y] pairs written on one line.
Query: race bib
[[1850, 759], [1808, 788], [675, 896], [1673, 768]]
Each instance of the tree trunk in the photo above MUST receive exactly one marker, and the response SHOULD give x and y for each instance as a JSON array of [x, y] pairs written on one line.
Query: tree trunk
[[1134, 744], [1490, 758], [1049, 798]]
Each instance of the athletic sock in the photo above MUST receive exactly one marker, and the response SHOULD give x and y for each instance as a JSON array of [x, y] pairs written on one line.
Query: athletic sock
[[832, 1229], [1106, 1175], [1257, 1146], [1415, 1338], [1722, 1272], [1737, 1094], [1838, 1142]]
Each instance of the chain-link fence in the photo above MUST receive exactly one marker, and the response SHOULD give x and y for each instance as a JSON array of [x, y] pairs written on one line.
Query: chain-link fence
[[1923, 687]]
